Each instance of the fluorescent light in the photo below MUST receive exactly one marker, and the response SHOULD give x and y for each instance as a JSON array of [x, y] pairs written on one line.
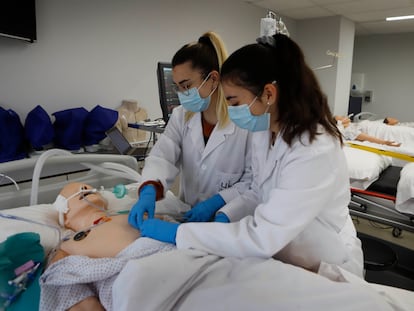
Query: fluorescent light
[[398, 18]]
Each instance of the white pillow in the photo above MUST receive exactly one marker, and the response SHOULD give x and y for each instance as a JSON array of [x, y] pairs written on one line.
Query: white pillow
[[43, 219], [46, 217], [364, 165]]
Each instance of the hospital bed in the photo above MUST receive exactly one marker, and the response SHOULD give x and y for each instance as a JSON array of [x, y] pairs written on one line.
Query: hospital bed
[[38, 179], [380, 190], [364, 115], [192, 279]]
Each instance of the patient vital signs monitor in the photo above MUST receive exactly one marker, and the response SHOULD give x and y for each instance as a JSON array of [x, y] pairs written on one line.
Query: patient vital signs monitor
[[168, 98]]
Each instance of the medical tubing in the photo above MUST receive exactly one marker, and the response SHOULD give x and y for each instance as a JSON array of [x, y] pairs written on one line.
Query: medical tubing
[[11, 179], [96, 206], [116, 169], [108, 168], [133, 174], [14, 217], [38, 168], [119, 191]]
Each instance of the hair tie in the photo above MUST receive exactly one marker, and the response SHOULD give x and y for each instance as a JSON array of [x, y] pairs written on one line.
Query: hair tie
[[267, 41], [204, 40]]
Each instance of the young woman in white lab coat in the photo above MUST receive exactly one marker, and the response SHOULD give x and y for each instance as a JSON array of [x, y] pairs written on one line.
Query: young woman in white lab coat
[[200, 142], [298, 162]]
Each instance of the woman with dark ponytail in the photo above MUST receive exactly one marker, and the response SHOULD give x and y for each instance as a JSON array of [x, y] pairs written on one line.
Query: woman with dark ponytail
[[298, 164], [200, 144]]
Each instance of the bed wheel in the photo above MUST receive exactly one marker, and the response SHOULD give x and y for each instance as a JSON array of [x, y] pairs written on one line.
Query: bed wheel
[[396, 232]]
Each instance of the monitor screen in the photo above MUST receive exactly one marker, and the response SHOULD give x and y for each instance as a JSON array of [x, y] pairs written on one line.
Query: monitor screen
[[18, 19], [168, 98]]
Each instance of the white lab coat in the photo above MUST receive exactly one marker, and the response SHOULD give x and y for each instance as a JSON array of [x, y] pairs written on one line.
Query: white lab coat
[[222, 166], [303, 218]]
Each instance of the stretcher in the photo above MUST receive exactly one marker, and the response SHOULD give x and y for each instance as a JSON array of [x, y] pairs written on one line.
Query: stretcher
[[386, 194]]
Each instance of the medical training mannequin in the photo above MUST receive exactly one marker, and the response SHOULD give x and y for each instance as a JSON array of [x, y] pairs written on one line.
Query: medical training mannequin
[[298, 163], [96, 234], [352, 131], [81, 214], [394, 121], [130, 112], [198, 142]]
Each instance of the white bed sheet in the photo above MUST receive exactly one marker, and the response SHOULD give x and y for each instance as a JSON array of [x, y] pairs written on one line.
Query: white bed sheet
[[194, 280], [401, 134], [405, 191], [191, 278], [364, 167]]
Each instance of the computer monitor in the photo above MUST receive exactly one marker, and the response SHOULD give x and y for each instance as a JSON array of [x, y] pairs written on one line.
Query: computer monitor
[[168, 98]]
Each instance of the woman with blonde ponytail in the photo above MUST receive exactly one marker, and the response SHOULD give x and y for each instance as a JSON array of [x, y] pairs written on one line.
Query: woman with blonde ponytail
[[200, 143]]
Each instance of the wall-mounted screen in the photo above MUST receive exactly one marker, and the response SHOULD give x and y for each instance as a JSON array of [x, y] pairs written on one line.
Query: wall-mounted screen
[[18, 19], [168, 98]]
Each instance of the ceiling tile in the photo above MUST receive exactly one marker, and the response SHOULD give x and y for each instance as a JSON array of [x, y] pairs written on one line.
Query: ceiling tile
[[366, 6], [358, 11], [278, 5], [305, 13], [375, 16], [388, 27]]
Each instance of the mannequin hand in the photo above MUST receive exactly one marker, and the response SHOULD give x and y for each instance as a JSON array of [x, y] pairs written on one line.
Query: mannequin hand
[[145, 203], [205, 210], [221, 217], [392, 143], [160, 230]]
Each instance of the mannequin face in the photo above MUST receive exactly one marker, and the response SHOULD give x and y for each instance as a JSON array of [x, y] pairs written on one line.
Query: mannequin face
[[82, 203], [344, 119]]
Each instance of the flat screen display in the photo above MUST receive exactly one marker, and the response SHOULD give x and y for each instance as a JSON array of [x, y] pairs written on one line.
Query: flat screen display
[[18, 19], [168, 98]]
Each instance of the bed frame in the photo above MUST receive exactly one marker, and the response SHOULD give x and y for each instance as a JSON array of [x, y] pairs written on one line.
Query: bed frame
[[48, 178], [377, 202]]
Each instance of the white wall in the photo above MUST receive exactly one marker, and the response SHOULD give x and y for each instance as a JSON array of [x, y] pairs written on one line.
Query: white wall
[[344, 63], [334, 34], [387, 62], [103, 51]]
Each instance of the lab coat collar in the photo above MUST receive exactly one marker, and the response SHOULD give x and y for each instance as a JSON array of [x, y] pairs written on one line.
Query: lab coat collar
[[218, 136], [268, 155], [196, 132]]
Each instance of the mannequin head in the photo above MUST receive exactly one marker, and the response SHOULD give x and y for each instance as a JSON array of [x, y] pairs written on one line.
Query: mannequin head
[[130, 105], [344, 120], [77, 200]]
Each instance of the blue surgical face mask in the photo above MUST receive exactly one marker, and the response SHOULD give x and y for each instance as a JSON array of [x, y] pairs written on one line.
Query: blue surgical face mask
[[242, 117], [191, 99]]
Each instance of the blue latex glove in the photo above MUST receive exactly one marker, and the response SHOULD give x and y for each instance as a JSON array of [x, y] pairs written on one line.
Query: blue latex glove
[[205, 210], [145, 203], [221, 217], [159, 230]]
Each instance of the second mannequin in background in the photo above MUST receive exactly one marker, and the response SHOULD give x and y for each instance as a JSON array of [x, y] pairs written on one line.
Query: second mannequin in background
[[131, 112]]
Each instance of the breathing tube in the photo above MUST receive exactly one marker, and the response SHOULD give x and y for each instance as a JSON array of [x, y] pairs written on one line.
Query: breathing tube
[[11, 179], [109, 168], [38, 168]]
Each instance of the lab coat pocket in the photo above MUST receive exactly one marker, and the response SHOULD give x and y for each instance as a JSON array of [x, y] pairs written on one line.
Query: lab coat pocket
[[227, 180]]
